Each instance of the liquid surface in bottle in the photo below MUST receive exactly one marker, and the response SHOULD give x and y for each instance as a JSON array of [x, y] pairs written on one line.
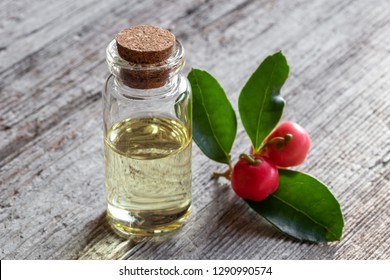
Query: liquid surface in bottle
[[148, 175]]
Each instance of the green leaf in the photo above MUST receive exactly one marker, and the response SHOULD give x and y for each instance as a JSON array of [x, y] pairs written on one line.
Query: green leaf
[[214, 120], [259, 103], [303, 208]]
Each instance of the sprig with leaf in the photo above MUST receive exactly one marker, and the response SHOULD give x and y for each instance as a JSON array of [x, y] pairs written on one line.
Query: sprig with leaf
[[302, 207]]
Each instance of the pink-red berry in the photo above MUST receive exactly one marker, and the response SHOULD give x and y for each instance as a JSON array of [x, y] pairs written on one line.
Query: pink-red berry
[[291, 152], [255, 181]]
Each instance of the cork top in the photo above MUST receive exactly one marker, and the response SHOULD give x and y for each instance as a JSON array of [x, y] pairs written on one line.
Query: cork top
[[145, 44]]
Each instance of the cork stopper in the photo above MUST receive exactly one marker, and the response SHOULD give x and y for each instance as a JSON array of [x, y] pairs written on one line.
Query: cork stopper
[[145, 45]]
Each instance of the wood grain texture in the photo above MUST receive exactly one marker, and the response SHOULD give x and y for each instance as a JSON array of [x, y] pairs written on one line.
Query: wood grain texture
[[51, 149]]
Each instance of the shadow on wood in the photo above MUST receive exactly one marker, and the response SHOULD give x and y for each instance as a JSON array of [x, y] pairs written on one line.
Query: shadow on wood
[[97, 241]]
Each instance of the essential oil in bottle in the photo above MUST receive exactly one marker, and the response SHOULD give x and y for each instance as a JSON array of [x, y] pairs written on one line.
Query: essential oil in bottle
[[147, 143]]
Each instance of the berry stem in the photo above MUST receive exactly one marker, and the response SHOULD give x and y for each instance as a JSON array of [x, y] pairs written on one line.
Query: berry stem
[[277, 140], [250, 159]]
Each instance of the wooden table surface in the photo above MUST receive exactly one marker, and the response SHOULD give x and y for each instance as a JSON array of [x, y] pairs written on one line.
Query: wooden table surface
[[52, 70]]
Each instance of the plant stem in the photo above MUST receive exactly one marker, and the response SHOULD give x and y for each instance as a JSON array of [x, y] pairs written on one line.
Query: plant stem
[[227, 174]]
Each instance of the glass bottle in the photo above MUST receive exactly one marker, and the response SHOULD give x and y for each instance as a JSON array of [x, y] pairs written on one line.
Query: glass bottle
[[147, 134]]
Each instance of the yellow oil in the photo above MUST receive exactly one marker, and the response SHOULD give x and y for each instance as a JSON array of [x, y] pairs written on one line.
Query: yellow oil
[[148, 175]]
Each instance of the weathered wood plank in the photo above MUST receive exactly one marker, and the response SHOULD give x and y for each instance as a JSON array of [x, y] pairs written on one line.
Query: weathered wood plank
[[26, 99], [51, 164]]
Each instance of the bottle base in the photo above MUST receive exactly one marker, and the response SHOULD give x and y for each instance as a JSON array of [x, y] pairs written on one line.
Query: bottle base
[[144, 223]]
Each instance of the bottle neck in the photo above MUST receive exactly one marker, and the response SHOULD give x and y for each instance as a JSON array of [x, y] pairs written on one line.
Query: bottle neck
[[151, 77], [170, 88]]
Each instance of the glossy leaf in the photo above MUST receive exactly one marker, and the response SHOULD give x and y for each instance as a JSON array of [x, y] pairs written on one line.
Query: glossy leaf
[[303, 208], [260, 103], [214, 120]]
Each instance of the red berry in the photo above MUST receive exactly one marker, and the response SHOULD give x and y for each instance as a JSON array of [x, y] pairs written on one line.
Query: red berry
[[255, 181], [292, 152]]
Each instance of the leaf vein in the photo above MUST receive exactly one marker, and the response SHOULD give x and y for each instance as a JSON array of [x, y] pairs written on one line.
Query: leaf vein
[[208, 118], [304, 213], [260, 116]]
